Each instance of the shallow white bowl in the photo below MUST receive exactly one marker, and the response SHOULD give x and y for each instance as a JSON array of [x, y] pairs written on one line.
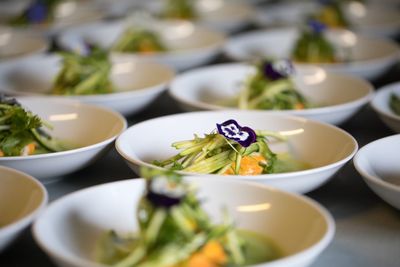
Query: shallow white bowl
[[324, 147], [337, 96], [68, 230], [370, 56], [380, 103], [67, 14], [16, 45], [91, 128], [378, 164], [22, 198], [189, 45], [372, 18], [137, 83], [225, 16]]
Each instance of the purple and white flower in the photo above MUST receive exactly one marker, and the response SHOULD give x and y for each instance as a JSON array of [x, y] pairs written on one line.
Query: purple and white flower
[[231, 130], [278, 69]]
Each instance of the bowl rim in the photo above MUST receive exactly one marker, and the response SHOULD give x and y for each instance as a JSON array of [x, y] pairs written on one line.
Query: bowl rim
[[25, 220], [43, 45], [384, 91], [173, 91], [368, 177], [137, 92], [317, 247], [75, 103], [81, 31], [393, 56], [274, 176]]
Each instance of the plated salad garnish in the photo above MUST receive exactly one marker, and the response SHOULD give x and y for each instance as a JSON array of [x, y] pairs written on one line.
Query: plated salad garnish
[[394, 103], [37, 12], [231, 149], [312, 46], [84, 74], [139, 40], [180, 9], [175, 231], [22, 132], [331, 14], [271, 88]]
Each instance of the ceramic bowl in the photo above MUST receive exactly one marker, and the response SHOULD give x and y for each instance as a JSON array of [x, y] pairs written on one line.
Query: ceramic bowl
[[380, 103], [137, 83], [68, 230], [91, 129], [189, 45], [28, 198], [307, 142], [377, 163], [16, 45], [336, 96], [371, 18], [67, 14], [369, 56], [225, 16]]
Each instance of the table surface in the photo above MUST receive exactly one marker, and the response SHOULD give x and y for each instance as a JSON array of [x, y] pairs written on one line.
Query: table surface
[[367, 229]]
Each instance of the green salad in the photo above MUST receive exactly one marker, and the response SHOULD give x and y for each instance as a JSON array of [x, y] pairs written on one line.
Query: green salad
[[231, 150], [175, 231], [139, 40], [271, 88], [22, 133], [37, 12], [394, 103], [180, 9], [312, 46], [86, 74]]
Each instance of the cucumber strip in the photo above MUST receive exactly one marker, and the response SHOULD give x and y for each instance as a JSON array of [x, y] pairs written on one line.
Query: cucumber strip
[[154, 226], [133, 258], [180, 219]]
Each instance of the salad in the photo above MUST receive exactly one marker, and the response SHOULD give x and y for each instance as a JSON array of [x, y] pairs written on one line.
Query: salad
[[21, 132], [37, 12], [84, 74], [180, 9], [230, 150], [394, 103], [271, 87], [331, 14], [139, 40], [312, 46], [175, 231]]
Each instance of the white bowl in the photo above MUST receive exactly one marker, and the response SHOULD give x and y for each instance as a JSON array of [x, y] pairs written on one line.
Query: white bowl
[[370, 56], [137, 83], [22, 198], [337, 96], [371, 18], [67, 14], [307, 142], [225, 16], [91, 128], [68, 230], [380, 103], [378, 164], [189, 45], [16, 45]]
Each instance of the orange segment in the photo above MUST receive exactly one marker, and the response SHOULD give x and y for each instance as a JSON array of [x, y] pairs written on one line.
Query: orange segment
[[249, 165]]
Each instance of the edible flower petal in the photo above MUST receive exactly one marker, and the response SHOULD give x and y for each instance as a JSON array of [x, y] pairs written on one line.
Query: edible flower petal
[[230, 129], [278, 69]]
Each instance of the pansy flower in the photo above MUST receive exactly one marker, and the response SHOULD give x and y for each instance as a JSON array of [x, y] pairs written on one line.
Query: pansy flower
[[278, 69], [231, 130]]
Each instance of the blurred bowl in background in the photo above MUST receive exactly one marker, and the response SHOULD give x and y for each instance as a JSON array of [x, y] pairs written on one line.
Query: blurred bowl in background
[[335, 97], [366, 57], [137, 83]]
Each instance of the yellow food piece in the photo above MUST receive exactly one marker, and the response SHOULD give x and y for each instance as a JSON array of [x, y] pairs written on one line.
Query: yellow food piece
[[27, 150], [249, 165], [211, 255]]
